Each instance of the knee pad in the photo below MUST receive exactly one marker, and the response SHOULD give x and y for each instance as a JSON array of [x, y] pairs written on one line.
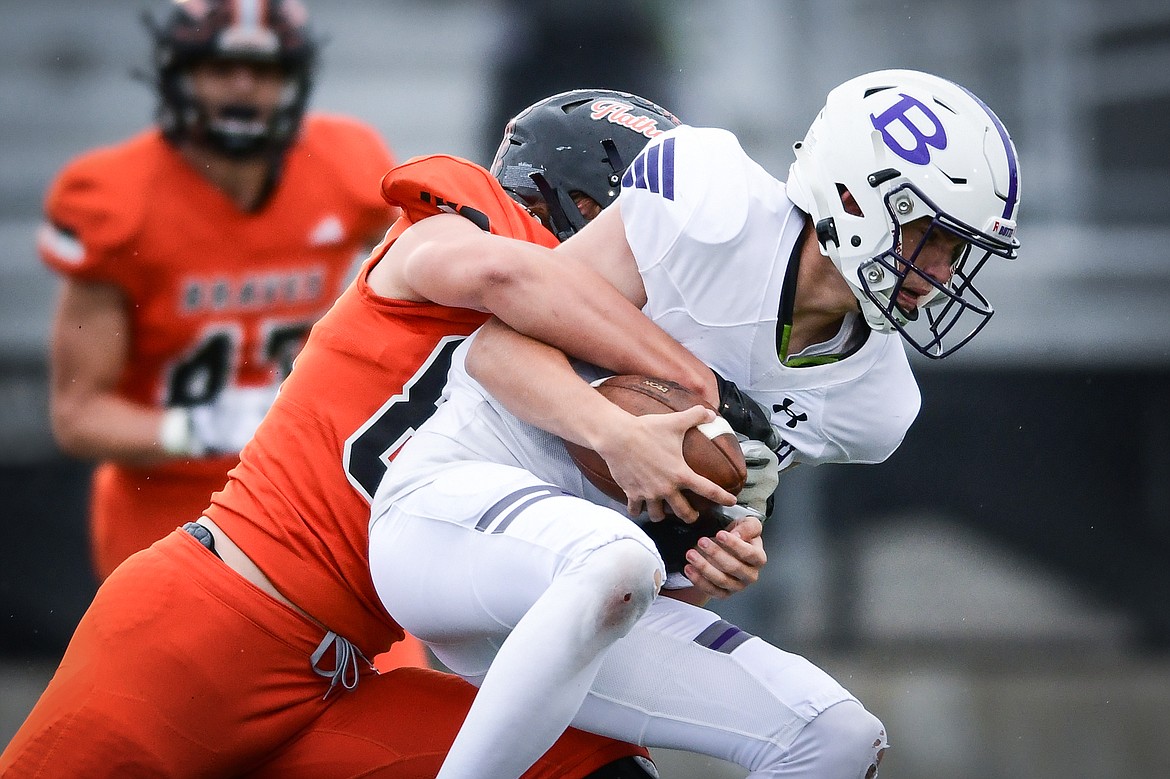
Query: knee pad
[[843, 740], [626, 575]]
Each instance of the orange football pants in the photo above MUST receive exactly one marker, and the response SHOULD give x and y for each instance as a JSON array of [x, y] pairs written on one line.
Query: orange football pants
[[182, 668], [128, 513]]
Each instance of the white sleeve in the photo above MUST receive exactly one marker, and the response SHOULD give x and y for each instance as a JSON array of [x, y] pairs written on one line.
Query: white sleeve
[[711, 233], [689, 185]]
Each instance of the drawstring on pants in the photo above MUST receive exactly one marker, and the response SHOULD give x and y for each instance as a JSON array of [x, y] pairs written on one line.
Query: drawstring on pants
[[345, 668]]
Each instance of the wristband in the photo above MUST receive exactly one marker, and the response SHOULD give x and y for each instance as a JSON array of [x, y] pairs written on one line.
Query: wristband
[[175, 433]]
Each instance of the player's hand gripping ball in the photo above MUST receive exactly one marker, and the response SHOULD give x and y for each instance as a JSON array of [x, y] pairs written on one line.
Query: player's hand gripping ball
[[712, 449]]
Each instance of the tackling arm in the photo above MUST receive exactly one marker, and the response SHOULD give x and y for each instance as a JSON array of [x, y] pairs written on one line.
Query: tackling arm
[[556, 297], [723, 564], [644, 453]]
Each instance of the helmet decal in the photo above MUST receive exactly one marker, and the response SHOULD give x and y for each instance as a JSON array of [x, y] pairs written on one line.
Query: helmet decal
[[619, 113], [904, 114], [249, 33]]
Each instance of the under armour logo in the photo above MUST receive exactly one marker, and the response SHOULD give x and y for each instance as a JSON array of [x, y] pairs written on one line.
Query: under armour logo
[[902, 113], [794, 417]]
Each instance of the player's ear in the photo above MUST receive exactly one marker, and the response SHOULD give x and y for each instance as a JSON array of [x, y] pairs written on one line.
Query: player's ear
[[588, 207]]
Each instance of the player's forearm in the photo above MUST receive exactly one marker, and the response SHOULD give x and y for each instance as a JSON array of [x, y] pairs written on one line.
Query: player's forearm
[[553, 297], [107, 427], [553, 397], [586, 317]]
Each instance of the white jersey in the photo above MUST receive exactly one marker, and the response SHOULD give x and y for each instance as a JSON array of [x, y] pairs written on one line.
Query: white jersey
[[713, 235], [533, 614]]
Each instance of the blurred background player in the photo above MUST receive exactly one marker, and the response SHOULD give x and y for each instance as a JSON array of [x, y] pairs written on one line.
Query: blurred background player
[[275, 574], [195, 257]]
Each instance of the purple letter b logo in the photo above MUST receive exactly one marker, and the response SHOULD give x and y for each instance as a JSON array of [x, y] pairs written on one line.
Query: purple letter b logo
[[900, 112]]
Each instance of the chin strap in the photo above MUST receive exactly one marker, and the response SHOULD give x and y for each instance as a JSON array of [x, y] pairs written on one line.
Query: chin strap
[[563, 214]]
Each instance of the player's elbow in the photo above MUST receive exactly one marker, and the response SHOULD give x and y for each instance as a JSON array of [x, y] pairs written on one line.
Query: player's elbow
[[502, 279]]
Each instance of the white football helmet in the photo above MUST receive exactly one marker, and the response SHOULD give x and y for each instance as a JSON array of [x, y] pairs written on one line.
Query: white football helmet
[[907, 146]]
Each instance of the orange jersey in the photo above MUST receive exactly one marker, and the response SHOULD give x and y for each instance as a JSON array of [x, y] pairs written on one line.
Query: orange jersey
[[215, 296], [370, 373]]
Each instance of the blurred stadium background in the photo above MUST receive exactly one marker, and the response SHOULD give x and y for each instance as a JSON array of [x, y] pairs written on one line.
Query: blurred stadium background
[[998, 591]]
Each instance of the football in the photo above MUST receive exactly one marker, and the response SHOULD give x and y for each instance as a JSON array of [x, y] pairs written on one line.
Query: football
[[712, 449]]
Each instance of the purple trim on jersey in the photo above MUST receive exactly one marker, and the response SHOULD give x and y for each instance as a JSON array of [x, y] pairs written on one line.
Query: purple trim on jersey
[[537, 491], [668, 169], [640, 174], [1013, 166], [722, 636], [653, 170], [652, 167]]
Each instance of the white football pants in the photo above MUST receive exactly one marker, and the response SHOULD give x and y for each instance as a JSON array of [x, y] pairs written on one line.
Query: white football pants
[[545, 601]]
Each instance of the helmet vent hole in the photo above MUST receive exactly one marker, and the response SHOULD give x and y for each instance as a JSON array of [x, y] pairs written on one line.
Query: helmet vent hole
[[944, 105], [847, 201]]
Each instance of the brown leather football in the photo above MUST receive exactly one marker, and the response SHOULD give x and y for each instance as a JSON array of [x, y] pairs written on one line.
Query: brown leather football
[[712, 450]]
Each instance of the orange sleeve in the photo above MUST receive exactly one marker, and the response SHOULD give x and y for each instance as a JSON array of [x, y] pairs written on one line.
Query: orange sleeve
[[92, 211], [440, 183]]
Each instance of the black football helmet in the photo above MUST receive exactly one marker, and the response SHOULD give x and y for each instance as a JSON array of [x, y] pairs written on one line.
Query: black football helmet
[[268, 31], [575, 142]]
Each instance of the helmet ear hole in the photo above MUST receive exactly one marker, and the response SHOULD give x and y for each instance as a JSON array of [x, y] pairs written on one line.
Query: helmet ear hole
[[848, 202]]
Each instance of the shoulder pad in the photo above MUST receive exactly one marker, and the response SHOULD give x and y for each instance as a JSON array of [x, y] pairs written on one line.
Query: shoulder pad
[[440, 183], [353, 150], [697, 177]]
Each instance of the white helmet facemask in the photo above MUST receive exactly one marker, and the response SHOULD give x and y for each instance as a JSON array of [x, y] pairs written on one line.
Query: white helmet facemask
[[909, 146]]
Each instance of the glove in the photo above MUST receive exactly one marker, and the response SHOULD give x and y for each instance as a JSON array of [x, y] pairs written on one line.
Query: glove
[[674, 538], [746, 416], [217, 428], [763, 476]]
